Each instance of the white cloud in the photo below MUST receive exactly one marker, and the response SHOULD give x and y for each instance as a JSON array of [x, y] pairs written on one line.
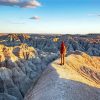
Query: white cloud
[[35, 18], [20, 3]]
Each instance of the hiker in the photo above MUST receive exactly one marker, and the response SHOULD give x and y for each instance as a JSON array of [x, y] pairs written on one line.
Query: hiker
[[62, 53]]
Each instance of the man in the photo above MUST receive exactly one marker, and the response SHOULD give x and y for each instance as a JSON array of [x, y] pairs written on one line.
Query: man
[[62, 53]]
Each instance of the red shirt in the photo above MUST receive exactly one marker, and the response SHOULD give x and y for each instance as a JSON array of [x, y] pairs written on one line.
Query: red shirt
[[62, 48]]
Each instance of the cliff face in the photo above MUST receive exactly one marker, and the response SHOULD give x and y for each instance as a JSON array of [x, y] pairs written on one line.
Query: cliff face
[[78, 79], [20, 67], [16, 70]]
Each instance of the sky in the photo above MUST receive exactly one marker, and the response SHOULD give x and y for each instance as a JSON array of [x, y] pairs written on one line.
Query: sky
[[50, 16]]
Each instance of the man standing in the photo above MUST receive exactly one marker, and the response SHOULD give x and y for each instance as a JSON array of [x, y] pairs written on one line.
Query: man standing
[[62, 53]]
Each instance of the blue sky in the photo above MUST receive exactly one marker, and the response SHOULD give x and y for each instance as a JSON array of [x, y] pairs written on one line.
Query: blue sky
[[54, 16]]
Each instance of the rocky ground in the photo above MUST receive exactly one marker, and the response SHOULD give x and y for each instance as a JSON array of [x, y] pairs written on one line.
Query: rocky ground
[[78, 79]]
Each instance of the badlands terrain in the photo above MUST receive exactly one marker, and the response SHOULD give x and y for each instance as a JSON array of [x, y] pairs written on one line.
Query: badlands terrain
[[78, 79], [30, 67]]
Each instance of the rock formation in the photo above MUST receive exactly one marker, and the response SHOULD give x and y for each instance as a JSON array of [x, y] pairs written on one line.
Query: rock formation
[[51, 43], [78, 79], [23, 57], [20, 66]]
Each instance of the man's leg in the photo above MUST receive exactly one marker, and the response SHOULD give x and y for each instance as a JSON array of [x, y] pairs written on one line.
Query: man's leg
[[61, 59]]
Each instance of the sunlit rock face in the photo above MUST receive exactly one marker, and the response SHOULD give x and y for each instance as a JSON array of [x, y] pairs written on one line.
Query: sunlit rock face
[[78, 79], [24, 52]]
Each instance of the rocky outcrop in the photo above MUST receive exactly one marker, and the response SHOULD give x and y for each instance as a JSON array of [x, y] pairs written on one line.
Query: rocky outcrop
[[20, 67], [78, 79]]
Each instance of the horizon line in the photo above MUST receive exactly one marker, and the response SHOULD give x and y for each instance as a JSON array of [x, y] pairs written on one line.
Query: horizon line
[[62, 33]]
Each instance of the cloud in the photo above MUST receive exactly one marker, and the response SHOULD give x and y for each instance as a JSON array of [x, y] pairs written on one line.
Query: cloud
[[20, 3], [35, 18], [93, 14]]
